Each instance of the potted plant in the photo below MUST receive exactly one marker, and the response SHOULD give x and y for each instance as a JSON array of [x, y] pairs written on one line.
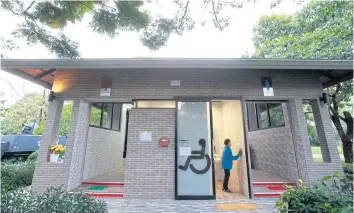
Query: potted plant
[[56, 152]]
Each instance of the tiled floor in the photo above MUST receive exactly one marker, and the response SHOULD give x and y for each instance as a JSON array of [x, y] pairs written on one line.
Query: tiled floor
[[261, 176], [223, 197], [85, 188]]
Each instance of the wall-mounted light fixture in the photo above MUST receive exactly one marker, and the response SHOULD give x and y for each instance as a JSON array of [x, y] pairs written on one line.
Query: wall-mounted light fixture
[[51, 96], [324, 97]]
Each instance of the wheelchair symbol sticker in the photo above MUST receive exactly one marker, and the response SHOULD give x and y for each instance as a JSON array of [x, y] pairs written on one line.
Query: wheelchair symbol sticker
[[197, 155]]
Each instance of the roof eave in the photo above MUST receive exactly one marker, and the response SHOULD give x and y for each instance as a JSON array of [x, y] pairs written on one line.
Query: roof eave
[[156, 63]]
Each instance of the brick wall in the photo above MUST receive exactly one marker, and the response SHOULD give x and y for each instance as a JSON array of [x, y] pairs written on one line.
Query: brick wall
[[44, 174], [272, 150], [315, 169], [150, 169], [138, 84], [104, 151], [104, 154], [69, 172]]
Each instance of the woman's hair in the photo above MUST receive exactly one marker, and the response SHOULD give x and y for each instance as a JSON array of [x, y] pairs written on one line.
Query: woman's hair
[[227, 141]]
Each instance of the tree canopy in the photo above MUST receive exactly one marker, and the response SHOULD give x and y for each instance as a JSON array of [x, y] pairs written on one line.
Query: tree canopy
[[32, 108], [321, 30], [44, 21]]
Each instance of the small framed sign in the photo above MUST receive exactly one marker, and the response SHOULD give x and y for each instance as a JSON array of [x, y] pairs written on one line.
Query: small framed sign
[[106, 86], [175, 83], [145, 136], [267, 86]]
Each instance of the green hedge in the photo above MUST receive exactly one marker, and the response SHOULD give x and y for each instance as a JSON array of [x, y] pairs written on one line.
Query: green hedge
[[333, 194], [54, 200], [348, 168], [33, 156], [16, 174]]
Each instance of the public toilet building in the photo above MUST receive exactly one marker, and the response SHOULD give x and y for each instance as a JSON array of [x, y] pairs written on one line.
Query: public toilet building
[[155, 128]]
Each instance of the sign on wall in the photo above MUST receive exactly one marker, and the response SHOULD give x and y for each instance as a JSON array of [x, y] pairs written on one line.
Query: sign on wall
[[106, 86], [145, 136], [175, 83], [267, 86]]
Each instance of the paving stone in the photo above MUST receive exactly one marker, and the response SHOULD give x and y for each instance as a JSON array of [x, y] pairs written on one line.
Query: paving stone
[[181, 206]]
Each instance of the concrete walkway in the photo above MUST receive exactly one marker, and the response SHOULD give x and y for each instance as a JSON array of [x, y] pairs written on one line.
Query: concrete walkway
[[115, 205]]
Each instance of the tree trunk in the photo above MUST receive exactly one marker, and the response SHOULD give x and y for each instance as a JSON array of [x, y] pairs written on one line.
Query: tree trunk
[[347, 151], [346, 141]]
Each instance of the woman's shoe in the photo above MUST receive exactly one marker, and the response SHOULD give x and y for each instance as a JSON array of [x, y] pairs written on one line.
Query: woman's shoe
[[228, 190]]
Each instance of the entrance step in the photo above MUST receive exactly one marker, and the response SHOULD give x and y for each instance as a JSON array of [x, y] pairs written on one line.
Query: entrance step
[[101, 189], [101, 194], [269, 189], [272, 183], [104, 183]]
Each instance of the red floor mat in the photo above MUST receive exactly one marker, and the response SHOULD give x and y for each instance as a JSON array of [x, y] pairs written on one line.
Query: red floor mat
[[276, 188]]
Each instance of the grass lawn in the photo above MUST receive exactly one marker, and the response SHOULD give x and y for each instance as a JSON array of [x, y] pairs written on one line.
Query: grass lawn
[[316, 150]]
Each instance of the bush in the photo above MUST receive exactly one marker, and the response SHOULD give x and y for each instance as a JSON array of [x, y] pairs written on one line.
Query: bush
[[348, 168], [53, 200], [33, 156], [333, 195], [16, 174]]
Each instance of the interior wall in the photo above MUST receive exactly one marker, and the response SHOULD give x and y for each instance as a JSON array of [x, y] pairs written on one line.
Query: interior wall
[[217, 129], [272, 150], [228, 123], [104, 152]]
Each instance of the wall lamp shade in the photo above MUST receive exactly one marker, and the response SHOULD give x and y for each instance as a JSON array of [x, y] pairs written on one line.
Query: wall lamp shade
[[324, 97], [51, 96]]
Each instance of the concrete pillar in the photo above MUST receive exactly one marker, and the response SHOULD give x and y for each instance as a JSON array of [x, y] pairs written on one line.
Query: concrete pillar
[[76, 142], [311, 171], [69, 172], [321, 133], [299, 131], [47, 174]]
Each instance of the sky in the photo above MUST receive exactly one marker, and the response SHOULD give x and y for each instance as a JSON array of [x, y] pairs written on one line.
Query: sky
[[202, 42]]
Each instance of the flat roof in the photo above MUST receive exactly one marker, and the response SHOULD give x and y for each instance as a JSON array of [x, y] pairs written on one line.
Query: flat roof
[[42, 71]]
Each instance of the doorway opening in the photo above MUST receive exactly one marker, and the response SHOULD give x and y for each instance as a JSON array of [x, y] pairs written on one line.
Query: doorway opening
[[227, 123]]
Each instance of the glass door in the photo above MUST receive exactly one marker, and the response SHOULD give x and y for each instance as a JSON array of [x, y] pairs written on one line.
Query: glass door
[[194, 175]]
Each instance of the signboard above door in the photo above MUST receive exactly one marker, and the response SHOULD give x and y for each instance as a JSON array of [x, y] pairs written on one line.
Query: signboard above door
[[267, 86], [106, 86]]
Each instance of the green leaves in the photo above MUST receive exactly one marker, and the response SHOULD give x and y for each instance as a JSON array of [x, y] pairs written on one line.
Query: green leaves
[[17, 174], [53, 200], [334, 196], [57, 14], [60, 45], [24, 111], [125, 16], [321, 30]]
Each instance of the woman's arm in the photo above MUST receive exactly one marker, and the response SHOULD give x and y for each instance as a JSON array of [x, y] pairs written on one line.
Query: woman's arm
[[239, 154], [230, 156]]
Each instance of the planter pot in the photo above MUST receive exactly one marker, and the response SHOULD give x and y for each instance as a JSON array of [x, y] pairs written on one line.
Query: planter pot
[[54, 158]]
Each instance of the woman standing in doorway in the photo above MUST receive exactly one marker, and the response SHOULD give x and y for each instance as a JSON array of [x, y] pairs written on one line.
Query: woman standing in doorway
[[226, 162]]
